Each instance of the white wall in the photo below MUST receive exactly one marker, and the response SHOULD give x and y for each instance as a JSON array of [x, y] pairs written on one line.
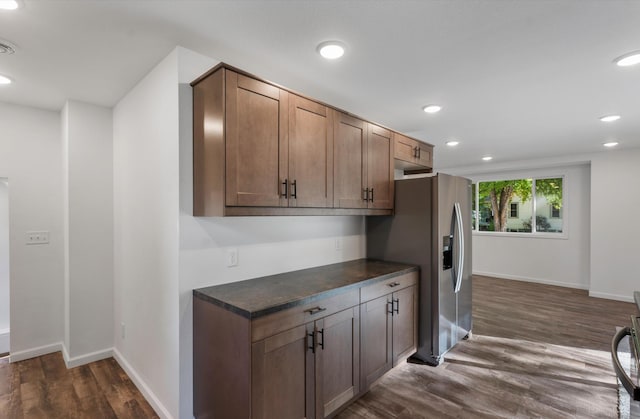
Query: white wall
[[615, 225], [30, 157], [88, 216], [145, 152], [4, 266], [266, 245], [555, 261]]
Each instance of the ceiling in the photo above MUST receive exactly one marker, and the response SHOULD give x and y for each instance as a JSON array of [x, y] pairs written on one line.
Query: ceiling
[[517, 79]]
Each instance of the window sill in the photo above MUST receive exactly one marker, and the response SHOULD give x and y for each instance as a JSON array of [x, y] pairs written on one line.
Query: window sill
[[552, 236]]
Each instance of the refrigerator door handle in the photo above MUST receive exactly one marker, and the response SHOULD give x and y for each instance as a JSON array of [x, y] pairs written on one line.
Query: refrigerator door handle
[[460, 267]]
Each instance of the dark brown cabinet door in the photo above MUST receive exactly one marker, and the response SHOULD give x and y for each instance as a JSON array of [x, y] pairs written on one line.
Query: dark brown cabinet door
[[375, 339], [350, 162], [281, 367], [380, 167], [337, 360], [256, 124], [405, 316], [310, 154]]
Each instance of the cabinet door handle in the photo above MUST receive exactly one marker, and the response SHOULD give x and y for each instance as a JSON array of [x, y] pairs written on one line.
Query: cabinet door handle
[[419, 151], [393, 284], [390, 310], [397, 304], [321, 342], [315, 310], [294, 189], [416, 152], [285, 184], [365, 194], [311, 342], [371, 197]]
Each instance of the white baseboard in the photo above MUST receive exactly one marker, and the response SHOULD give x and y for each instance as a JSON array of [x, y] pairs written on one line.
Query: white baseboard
[[34, 352], [627, 299], [86, 358], [153, 400], [535, 280], [4, 341]]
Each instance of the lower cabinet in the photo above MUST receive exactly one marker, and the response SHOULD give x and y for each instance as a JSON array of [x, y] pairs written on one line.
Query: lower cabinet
[[309, 371], [388, 332], [306, 361]]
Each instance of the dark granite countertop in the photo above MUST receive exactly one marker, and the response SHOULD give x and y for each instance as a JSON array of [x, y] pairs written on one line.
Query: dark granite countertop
[[261, 296]]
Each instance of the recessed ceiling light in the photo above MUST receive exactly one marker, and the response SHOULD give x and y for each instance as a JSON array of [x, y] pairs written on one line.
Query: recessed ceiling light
[[331, 49], [610, 144], [8, 4], [432, 108], [452, 143], [4, 79], [609, 118], [629, 59], [487, 158]]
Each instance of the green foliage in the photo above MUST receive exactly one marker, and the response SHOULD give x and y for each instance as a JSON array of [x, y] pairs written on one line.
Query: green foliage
[[521, 187], [551, 189]]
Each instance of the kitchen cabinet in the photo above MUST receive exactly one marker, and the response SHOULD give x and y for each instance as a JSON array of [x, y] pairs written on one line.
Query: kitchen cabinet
[[288, 345], [259, 147], [309, 155], [363, 158], [411, 155], [389, 313], [311, 370], [255, 122]]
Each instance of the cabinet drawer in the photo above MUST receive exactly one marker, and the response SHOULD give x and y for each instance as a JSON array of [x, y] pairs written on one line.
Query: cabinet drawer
[[271, 324], [388, 286]]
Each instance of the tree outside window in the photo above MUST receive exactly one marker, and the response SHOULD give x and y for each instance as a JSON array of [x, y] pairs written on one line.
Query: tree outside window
[[508, 205]]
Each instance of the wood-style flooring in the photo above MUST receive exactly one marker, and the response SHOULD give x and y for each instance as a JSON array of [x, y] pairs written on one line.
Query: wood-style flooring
[[537, 351], [43, 387]]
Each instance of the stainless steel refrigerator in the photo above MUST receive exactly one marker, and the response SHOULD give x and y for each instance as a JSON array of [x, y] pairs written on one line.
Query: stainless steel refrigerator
[[431, 228]]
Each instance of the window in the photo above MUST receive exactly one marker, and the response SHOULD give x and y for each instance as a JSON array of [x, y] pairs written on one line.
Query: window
[[519, 205], [513, 211]]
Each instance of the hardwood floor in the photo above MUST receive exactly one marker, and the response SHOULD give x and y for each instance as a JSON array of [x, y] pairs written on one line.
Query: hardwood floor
[[536, 351], [43, 387]]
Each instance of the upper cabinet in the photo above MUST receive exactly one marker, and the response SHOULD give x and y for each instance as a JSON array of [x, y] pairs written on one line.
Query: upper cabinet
[[256, 138], [259, 149], [309, 179], [363, 156], [411, 155]]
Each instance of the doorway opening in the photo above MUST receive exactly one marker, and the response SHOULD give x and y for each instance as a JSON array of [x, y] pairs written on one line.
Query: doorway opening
[[4, 268]]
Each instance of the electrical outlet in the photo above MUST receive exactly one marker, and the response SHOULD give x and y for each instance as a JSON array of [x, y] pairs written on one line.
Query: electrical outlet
[[37, 237], [338, 244], [232, 257]]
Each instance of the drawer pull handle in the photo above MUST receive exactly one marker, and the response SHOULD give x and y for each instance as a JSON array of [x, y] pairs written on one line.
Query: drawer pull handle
[[315, 310], [393, 284]]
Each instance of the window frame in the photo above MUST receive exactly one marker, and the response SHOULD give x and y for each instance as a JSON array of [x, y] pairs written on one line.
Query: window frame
[[564, 235]]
